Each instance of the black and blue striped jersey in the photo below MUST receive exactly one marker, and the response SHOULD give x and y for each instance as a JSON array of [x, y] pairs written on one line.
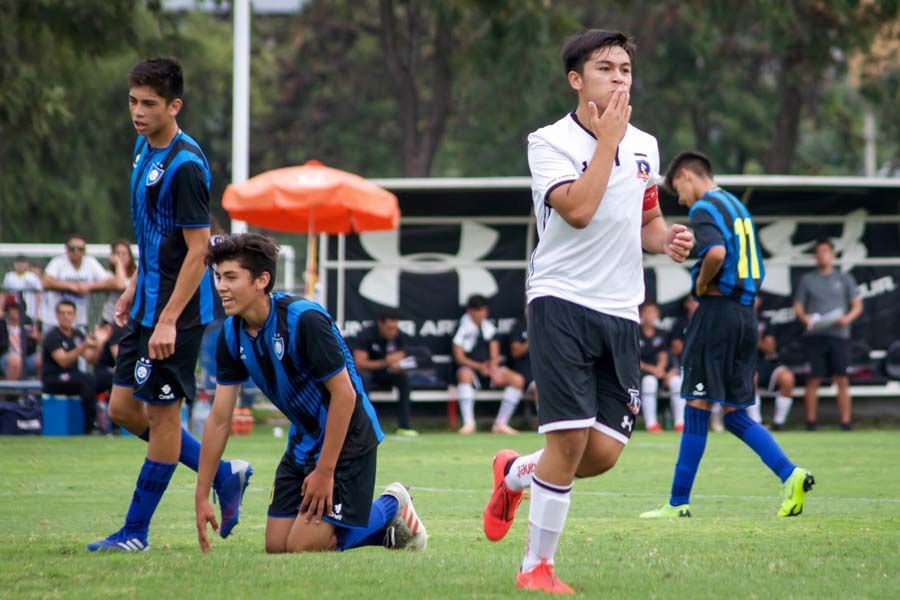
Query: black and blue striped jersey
[[290, 358], [720, 219], [169, 192]]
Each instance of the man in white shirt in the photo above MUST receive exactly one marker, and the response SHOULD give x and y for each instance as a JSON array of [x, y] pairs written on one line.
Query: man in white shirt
[[27, 284], [73, 276], [477, 355], [597, 208]]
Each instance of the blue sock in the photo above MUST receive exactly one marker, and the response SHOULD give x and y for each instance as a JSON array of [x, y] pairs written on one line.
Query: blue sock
[[693, 443], [383, 511], [760, 441], [190, 455], [151, 485]]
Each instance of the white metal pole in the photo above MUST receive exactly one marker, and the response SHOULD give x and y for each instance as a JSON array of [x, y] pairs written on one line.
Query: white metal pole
[[869, 136], [240, 116]]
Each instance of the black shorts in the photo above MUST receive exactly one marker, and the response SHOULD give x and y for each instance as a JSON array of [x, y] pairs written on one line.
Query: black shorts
[[158, 381], [719, 358], [827, 355], [354, 485], [586, 366], [765, 372]]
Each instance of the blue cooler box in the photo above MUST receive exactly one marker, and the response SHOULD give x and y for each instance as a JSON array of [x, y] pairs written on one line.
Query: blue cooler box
[[61, 415]]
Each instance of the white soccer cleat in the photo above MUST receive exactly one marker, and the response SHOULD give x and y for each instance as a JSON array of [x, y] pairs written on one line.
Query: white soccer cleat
[[406, 530]]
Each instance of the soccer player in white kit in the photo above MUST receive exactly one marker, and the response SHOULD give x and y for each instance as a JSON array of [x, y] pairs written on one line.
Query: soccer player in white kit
[[597, 208]]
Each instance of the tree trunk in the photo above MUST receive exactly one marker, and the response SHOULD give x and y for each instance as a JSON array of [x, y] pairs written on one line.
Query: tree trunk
[[794, 80], [421, 136]]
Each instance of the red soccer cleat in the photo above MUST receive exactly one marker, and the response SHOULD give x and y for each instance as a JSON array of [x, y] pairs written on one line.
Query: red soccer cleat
[[655, 428], [679, 427], [542, 579], [501, 508]]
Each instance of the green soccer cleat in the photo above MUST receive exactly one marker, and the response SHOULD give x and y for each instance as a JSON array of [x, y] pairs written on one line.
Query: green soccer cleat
[[667, 511], [795, 488]]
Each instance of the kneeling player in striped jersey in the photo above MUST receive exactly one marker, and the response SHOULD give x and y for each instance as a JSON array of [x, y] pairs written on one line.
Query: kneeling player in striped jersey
[[290, 347]]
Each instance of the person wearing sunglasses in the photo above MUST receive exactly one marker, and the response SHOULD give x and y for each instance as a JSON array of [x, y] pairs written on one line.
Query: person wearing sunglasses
[[73, 276]]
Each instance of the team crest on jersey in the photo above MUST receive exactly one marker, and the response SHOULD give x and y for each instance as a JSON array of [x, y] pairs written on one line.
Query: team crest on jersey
[[155, 175], [142, 370], [278, 346], [643, 169]]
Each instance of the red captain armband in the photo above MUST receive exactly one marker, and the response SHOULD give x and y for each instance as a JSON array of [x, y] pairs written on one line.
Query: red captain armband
[[651, 197]]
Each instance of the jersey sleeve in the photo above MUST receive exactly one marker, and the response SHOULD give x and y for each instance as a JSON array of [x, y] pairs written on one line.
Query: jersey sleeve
[[550, 168], [52, 342], [319, 347], [229, 370], [191, 197], [706, 232]]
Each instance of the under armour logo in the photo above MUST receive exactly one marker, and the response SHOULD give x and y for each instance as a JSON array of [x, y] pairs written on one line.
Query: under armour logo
[[627, 423], [382, 284]]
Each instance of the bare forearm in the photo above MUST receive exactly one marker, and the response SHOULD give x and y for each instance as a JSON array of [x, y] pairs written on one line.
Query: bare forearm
[[708, 269], [856, 308], [653, 235], [579, 201], [189, 278], [215, 438], [339, 412]]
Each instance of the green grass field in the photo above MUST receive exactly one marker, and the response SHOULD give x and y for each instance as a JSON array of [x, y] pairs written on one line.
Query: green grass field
[[57, 494]]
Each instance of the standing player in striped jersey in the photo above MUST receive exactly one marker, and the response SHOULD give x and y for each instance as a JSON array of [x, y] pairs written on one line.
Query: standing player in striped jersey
[[597, 209], [290, 347], [719, 358], [171, 301]]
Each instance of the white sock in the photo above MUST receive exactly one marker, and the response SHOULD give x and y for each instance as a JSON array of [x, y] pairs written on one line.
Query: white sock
[[649, 387], [675, 400], [466, 394], [754, 411], [521, 470], [546, 519], [511, 397], [782, 408]]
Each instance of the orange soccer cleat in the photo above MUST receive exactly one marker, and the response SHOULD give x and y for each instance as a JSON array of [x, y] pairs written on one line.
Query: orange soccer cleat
[[501, 508], [542, 579]]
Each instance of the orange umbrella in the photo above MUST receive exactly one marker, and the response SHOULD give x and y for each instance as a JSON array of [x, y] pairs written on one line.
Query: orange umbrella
[[312, 199]]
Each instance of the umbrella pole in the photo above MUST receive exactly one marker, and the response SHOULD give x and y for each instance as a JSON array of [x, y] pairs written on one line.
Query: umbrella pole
[[312, 272]]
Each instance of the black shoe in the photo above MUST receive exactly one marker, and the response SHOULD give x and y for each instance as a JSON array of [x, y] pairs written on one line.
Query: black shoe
[[846, 427], [777, 426], [811, 426]]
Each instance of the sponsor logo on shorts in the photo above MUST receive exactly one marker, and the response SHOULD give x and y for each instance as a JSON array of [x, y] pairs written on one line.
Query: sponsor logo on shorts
[[627, 423], [142, 370], [167, 393], [634, 401], [336, 512], [699, 389]]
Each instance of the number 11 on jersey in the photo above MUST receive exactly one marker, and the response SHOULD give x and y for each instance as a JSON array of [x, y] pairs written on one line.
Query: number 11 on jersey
[[743, 229]]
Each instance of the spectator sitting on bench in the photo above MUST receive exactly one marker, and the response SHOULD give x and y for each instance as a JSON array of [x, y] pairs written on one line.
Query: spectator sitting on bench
[[380, 357], [771, 374], [521, 362], [63, 346], [18, 342], [477, 355]]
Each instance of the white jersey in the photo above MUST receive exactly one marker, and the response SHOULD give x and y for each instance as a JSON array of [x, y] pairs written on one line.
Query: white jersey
[[467, 334], [601, 266], [61, 269], [28, 284]]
